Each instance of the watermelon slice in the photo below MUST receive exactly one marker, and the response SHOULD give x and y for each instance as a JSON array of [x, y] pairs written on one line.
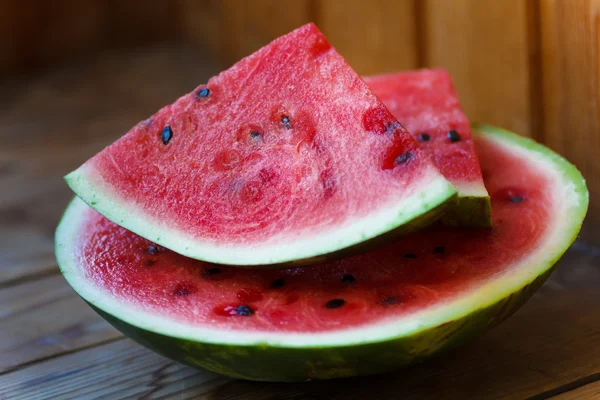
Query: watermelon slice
[[369, 313], [426, 103], [285, 157]]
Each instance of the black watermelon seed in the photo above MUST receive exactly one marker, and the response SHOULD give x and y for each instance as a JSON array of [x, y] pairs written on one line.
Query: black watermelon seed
[[212, 271], [453, 136], [390, 301], [182, 291], [277, 283], [244, 311], [410, 255], [424, 137], [348, 278], [204, 92], [439, 250], [516, 199], [255, 134], [403, 158], [335, 303], [166, 134], [286, 122], [152, 250]]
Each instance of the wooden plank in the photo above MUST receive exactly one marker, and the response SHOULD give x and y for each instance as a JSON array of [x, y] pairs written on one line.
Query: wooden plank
[[50, 33], [375, 39], [484, 45], [203, 23], [551, 342], [246, 26], [571, 91], [234, 29], [44, 318], [120, 369], [586, 392]]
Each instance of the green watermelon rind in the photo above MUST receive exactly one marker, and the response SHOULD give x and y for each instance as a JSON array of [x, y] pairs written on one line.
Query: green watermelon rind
[[421, 208], [474, 211], [356, 351]]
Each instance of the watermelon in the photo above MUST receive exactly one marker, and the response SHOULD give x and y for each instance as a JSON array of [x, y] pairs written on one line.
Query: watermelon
[[426, 103], [285, 157], [364, 314]]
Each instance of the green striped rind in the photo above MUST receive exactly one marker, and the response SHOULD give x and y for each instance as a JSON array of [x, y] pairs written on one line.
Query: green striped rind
[[372, 349], [291, 364]]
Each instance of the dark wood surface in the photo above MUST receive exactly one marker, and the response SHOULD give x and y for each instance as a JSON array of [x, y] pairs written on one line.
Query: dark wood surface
[[52, 345]]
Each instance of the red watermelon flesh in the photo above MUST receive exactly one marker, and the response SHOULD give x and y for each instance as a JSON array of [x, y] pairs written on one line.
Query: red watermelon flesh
[[285, 156], [422, 271], [426, 103]]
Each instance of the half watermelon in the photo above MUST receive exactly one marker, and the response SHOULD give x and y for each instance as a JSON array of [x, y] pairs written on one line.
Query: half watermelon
[[365, 314], [426, 103], [285, 157]]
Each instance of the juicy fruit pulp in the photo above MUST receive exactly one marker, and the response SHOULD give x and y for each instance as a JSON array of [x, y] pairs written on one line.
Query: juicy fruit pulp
[[426, 103], [429, 291], [419, 271], [284, 157]]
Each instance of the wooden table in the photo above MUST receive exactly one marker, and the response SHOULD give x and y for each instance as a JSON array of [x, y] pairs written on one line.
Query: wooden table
[[52, 345]]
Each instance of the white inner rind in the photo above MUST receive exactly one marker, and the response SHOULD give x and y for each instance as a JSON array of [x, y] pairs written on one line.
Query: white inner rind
[[433, 191], [470, 189], [570, 197]]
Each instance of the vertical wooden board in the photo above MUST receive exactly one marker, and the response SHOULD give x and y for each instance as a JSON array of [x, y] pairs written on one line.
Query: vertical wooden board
[[375, 37], [570, 79], [251, 24], [203, 23], [41, 33], [234, 29], [484, 45]]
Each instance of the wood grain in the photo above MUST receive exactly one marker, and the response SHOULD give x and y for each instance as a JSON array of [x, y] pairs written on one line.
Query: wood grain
[[590, 391], [44, 318], [234, 29], [550, 346], [484, 45], [375, 39], [571, 91], [120, 369], [40, 33]]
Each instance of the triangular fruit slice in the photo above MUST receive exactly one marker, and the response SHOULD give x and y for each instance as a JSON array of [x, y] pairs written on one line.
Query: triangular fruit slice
[[285, 157], [426, 103], [401, 303]]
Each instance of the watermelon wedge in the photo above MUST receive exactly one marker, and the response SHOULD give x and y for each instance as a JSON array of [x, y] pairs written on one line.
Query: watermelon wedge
[[285, 157], [365, 314], [426, 103]]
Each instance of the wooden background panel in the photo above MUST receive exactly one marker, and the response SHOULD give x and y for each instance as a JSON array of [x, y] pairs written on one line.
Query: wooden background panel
[[571, 92], [380, 37], [35, 33], [233, 29], [484, 45]]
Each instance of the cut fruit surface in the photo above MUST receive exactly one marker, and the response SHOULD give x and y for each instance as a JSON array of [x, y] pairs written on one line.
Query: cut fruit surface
[[364, 314], [284, 157], [426, 103]]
